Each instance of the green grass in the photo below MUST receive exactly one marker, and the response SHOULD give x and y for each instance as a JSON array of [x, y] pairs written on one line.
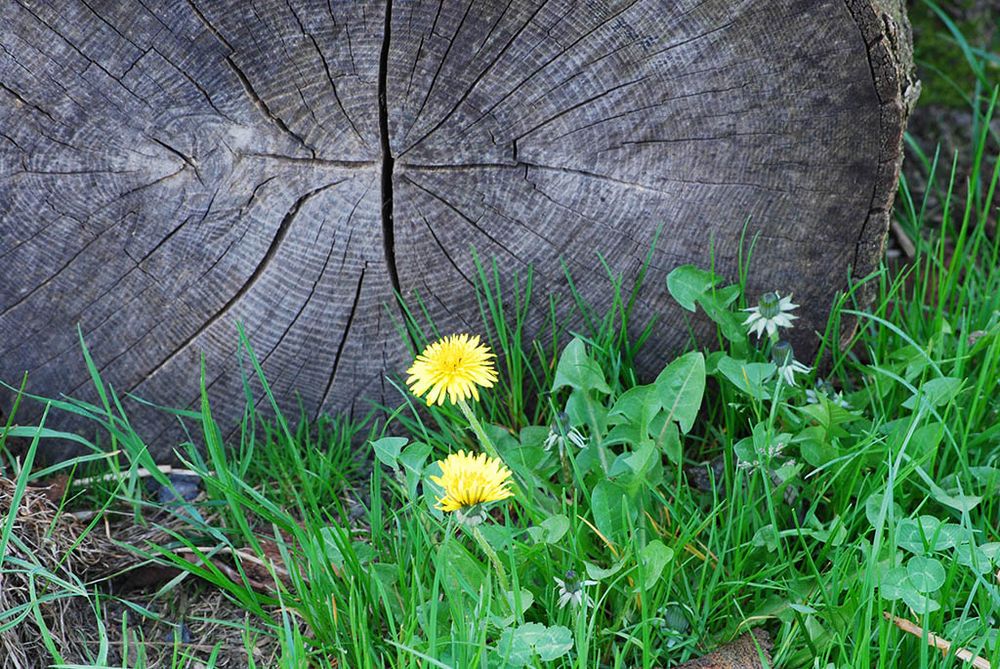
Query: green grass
[[890, 506]]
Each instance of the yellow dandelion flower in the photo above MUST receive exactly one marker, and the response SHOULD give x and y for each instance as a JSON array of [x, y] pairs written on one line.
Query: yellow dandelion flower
[[469, 480], [454, 366]]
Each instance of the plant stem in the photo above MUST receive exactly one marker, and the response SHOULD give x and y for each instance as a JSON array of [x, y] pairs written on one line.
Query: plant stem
[[477, 428], [491, 450], [493, 557]]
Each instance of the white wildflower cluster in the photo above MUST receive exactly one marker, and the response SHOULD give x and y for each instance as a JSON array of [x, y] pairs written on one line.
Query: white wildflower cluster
[[770, 452]]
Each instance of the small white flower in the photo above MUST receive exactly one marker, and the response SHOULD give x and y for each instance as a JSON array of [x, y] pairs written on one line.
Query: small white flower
[[783, 356], [561, 434], [772, 312], [571, 590], [789, 370]]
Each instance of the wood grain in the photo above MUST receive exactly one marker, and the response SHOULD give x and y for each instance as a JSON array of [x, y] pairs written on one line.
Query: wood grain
[[168, 169]]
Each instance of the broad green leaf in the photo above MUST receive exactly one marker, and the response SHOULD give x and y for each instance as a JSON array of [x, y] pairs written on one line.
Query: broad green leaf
[[973, 557], [893, 583], [414, 456], [498, 535], [550, 530], [873, 507], [919, 602], [412, 459], [917, 535], [680, 387], [925, 573], [687, 283], [815, 446], [583, 409], [715, 304], [636, 406], [519, 645], [766, 537], [642, 458], [526, 600], [579, 371], [958, 501], [607, 504], [387, 449], [749, 377], [459, 570], [992, 551], [654, 557], [667, 437], [935, 392], [596, 573]]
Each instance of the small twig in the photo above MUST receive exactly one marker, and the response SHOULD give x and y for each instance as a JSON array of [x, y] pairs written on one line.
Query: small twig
[[934, 640], [281, 572], [904, 241], [141, 473]]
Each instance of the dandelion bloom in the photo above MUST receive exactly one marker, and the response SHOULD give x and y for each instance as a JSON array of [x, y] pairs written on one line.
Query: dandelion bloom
[[455, 366], [469, 480], [772, 312]]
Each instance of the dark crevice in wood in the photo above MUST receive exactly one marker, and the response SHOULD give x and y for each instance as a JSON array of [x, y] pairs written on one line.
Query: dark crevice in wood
[[343, 341], [326, 69], [272, 250], [388, 162], [17, 96], [245, 82], [469, 89], [320, 162], [474, 223]]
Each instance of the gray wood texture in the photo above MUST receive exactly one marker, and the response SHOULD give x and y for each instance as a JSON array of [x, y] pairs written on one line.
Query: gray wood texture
[[169, 167]]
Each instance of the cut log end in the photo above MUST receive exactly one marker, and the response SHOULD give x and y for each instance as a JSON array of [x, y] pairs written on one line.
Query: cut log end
[[168, 170]]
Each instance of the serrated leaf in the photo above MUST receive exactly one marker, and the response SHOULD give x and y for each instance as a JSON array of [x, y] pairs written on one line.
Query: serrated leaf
[[680, 387]]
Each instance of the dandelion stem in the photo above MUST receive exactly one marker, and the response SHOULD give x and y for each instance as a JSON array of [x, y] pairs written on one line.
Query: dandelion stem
[[493, 557], [477, 428], [491, 450]]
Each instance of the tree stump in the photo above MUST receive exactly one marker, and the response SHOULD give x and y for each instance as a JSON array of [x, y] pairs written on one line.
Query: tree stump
[[169, 168]]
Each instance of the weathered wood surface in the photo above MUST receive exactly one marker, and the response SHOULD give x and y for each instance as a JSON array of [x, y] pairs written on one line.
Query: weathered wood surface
[[168, 168]]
